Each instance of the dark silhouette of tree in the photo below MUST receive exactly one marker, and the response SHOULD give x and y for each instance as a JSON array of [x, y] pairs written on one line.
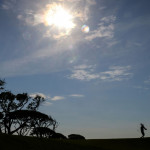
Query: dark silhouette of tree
[[42, 132], [2, 83], [11, 103], [26, 120], [55, 124], [19, 113], [1, 117], [7, 104], [36, 101]]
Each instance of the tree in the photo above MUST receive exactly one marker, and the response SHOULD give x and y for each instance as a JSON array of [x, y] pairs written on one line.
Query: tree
[[42, 132], [36, 102], [25, 120], [2, 83], [19, 113], [11, 103]]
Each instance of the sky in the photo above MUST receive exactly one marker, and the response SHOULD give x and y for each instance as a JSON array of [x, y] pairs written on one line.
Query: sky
[[88, 58]]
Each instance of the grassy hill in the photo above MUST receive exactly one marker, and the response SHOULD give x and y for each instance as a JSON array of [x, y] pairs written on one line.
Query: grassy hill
[[8, 142]]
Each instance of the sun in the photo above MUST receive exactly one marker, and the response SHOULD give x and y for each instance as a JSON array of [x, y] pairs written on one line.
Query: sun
[[58, 16]]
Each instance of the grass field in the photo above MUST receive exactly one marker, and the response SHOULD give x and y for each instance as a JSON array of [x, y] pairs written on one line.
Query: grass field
[[30, 143]]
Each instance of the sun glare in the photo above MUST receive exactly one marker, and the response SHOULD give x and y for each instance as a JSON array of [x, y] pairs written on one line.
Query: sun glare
[[56, 15]]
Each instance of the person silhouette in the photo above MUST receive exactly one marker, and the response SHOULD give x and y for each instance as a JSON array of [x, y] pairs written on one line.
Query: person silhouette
[[142, 130]]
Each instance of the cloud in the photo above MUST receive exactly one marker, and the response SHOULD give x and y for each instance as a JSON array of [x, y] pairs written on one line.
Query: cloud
[[46, 103], [49, 48], [147, 81], [31, 17], [116, 73], [145, 86], [83, 72], [77, 95], [87, 73], [8, 4], [40, 94], [105, 29], [141, 87], [46, 97], [55, 98], [79, 9]]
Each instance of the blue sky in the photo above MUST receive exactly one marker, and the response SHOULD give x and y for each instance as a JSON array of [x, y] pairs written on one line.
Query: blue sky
[[95, 78]]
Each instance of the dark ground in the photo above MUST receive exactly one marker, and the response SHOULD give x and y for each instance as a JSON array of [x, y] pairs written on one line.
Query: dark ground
[[8, 142]]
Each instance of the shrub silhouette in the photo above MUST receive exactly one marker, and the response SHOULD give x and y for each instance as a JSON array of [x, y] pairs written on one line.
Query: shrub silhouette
[[42, 132], [58, 136], [76, 137]]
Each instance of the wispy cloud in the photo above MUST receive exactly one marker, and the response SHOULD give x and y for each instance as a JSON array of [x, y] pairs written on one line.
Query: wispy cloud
[[31, 17], [83, 72], [147, 81], [40, 94], [144, 86], [46, 97], [47, 103], [77, 95], [114, 73], [8, 4], [56, 98], [141, 87], [105, 29]]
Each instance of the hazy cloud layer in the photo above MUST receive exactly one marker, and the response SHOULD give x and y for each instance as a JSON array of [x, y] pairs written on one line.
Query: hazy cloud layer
[[51, 41], [80, 10]]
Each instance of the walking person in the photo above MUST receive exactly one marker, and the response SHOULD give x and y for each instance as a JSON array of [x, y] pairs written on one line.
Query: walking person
[[142, 130]]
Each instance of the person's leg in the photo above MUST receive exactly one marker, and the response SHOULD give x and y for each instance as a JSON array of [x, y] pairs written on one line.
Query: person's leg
[[143, 134]]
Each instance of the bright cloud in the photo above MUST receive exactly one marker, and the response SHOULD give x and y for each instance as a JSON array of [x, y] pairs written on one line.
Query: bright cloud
[[51, 15]]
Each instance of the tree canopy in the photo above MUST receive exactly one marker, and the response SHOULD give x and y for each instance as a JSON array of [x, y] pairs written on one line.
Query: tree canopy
[[19, 113]]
